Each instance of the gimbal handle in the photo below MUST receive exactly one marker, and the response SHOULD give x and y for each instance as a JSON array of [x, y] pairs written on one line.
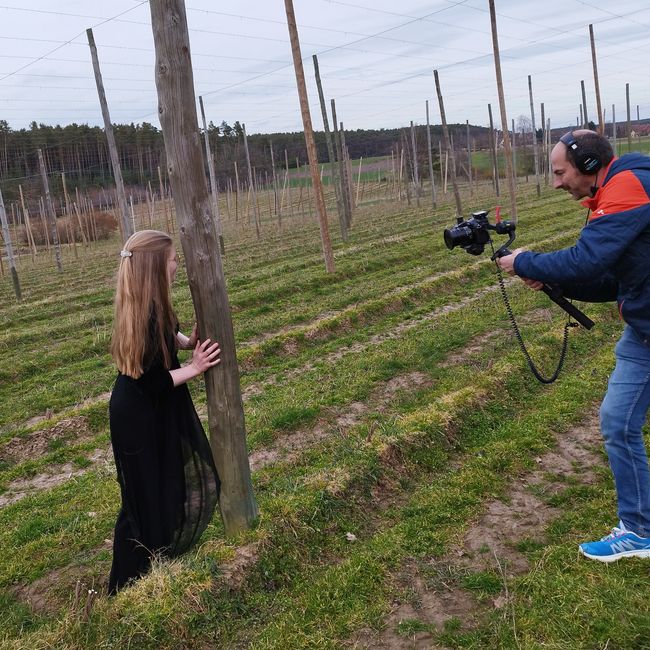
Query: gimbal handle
[[555, 294]]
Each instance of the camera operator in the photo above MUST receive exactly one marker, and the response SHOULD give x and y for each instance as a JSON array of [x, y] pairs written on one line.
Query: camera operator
[[609, 261]]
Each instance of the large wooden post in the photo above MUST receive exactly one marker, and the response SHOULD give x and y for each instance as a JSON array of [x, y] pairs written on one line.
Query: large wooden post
[[51, 217], [177, 112], [127, 226], [10, 251], [328, 255], [448, 148], [334, 170], [507, 150]]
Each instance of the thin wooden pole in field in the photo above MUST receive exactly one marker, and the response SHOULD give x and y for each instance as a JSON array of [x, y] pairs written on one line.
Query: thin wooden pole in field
[[601, 119], [445, 134], [416, 172], [214, 191], [532, 119], [507, 150], [359, 180], [236, 192], [514, 150], [399, 178], [585, 124], [348, 171], [127, 228], [493, 151], [326, 243], [334, 168], [68, 209], [46, 234], [345, 193], [629, 125], [28, 228], [177, 113], [6, 235], [51, 217], [288, 181], [469, 159], [251, 184], [614, 144], [430, 158], [276, 204]]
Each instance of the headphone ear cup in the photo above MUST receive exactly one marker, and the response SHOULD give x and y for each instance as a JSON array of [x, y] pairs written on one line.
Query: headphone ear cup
[[588, 163]]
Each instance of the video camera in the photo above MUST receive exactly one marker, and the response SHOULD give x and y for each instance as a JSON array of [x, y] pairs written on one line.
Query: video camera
[[474, 233]]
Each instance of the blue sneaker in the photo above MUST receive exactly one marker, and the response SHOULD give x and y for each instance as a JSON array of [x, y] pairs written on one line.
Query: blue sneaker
[[619, 543]]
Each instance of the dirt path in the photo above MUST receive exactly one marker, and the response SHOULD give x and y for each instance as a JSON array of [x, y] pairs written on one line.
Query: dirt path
[[436, 594]]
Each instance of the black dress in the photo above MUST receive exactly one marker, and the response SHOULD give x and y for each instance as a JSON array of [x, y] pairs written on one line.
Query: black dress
[[165, 469]]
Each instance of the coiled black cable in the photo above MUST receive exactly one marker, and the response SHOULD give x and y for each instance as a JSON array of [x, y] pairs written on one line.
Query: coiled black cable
[[522, 345]]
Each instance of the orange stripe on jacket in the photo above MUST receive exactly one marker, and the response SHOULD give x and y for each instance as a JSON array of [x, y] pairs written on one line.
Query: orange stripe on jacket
[[624, 191]]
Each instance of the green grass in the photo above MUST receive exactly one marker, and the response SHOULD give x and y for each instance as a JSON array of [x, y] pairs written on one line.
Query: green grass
[[409, 472]]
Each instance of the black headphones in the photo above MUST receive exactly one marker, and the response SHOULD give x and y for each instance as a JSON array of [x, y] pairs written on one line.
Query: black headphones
[[586, 162]]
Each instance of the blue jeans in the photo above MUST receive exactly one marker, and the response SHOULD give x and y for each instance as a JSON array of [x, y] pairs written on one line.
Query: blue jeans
[[622, 416]]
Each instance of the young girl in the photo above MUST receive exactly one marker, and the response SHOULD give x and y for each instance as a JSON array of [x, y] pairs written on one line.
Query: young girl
[[165, 469]]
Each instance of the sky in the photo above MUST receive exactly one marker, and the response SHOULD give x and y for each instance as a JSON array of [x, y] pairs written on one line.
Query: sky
[[376, 59]]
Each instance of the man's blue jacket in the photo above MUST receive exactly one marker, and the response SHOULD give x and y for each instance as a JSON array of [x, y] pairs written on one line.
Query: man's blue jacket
[[611, 259]]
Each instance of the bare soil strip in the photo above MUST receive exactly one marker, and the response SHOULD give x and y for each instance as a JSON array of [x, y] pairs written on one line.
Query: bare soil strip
[[433, 591]]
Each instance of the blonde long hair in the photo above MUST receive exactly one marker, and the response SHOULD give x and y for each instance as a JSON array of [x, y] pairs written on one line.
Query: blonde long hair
[[142, 301]]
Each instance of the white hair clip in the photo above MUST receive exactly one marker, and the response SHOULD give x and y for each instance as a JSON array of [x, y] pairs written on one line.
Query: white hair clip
[[126, 253]]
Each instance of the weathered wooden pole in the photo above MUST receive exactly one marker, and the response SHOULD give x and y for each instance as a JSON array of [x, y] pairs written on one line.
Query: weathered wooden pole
[[514, 150], [28, 227], [127, 227], [6, 235], [430, 157], [251, 184], [585, 123], [334, 168], [449, 150], [614, 145], [507, 150], [326, 243], [276, 204], [601, 119], [345, 190], [544, 153], [213, 178], [469, 159], [535, 151], [629, 124], [51, 217], [416, 172], [347, 173], [177, 113], [493, 151]]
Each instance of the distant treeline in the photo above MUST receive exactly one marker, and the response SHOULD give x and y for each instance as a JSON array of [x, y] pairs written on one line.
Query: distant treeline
[[81, 152]]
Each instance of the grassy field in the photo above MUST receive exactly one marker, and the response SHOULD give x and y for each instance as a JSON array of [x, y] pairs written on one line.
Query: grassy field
[[417, 487]]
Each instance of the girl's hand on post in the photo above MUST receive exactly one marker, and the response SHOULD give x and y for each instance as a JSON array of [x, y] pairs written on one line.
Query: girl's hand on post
[[205, 355]]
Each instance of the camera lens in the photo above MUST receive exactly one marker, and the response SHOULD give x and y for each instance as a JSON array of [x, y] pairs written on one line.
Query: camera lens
[[457, 236]]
